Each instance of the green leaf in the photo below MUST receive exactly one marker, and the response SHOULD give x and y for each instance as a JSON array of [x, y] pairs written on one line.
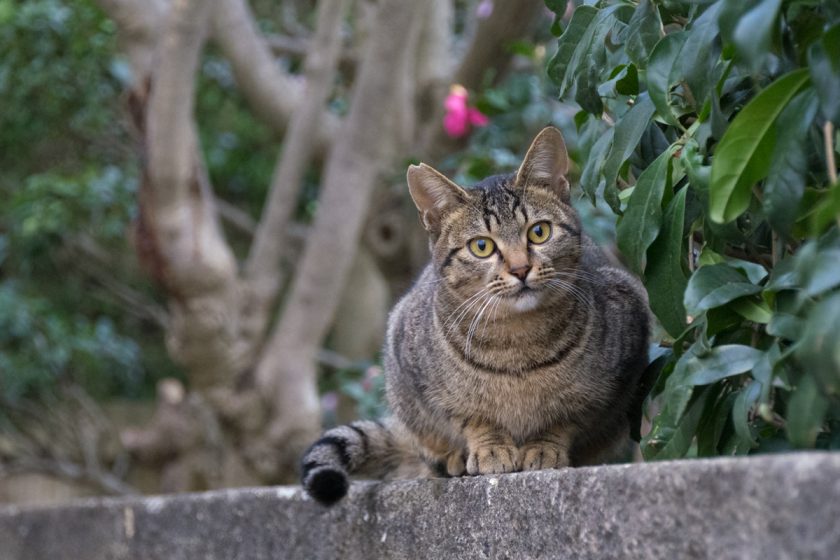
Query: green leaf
[[628, 132], [805, 412], [754, 32], [826, 211], [665, 279], [556, 6], [743, 156], [628, 81], [789, 163], [757, 312], [824, 63], [819, 348], [817, 268], [721, 362], [642, 33], [715, 285], [677, 444], [570, 48], [785, 325], [711, 428], [698, 57], [590, 178], [676, 393], [640, 224], [591, 67], [784, 276], [660, 67], [754, 271], [747, 397]]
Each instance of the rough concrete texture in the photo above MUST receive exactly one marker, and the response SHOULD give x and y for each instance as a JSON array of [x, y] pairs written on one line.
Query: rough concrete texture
[[780, 506]]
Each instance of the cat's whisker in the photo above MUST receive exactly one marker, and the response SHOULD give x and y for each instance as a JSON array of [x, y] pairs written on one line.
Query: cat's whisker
[[474, 325], [494, 302], [564, 288], [466, 311], [498, 300], [467, 301], [569, 287]]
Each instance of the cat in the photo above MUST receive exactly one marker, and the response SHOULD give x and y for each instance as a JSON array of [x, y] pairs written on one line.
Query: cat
[[520, 347]]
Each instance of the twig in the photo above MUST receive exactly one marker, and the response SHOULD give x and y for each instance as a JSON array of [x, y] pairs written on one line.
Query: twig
[[240, 219], [262, 267], [335, 360], [828, 138], [273, 94], [97, 263], [775, 248], [691, 253]]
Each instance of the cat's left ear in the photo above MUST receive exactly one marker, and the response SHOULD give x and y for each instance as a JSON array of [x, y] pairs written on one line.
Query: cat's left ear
[[546, 163], [433, 194]]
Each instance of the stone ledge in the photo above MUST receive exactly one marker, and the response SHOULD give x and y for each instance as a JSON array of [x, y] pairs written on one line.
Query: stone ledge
[[773, 506]]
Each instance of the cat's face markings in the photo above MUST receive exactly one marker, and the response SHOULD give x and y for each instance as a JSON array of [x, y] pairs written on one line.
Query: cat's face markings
[[504, 248], [508, 237]]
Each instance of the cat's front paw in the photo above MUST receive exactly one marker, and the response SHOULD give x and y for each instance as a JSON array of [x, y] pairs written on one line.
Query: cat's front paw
[[543, 455], [455, 463], [493, 459]]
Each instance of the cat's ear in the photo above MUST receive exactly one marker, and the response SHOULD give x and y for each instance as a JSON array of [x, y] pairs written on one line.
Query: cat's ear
[[433, 194], [546, 163]]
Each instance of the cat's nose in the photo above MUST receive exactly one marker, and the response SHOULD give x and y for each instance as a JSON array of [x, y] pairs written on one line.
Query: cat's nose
[[521, 272]]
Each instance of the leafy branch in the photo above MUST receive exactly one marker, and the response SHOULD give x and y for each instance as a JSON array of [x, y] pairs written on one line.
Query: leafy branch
[[724, 112]]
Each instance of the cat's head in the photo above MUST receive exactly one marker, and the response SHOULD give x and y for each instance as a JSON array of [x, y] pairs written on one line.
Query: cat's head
[[513, 236]]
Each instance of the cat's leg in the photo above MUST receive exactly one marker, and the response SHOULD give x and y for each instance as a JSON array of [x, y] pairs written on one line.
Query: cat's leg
[[443, 456], [490, 450], [550, 450]]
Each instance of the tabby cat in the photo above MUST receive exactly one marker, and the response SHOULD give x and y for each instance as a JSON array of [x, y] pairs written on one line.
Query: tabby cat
[[520, 347]]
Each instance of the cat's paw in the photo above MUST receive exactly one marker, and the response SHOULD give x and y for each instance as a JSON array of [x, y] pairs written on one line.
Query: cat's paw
[[493, 459], [455, 465], [543, 455]]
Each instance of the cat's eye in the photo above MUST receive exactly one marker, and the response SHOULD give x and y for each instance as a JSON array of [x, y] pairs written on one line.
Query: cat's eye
[[482, 247], [539, 232]]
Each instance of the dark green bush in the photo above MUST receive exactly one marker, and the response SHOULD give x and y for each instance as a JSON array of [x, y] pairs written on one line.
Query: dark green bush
[[708, 128]]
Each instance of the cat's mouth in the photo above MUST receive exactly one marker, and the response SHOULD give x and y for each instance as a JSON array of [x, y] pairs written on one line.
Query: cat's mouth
[[522, 298]]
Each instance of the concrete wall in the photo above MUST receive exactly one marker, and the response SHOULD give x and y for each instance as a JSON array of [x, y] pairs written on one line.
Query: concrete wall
[[775, 506]]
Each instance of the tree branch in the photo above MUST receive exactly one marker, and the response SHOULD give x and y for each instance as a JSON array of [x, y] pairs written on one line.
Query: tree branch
[[139, 23], [364, 148], [283, 45], [262, 268], [489, 50], [273, 94], [488, 53]]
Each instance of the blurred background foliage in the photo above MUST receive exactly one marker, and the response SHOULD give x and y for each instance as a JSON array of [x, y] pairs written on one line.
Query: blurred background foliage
[[68, 180]]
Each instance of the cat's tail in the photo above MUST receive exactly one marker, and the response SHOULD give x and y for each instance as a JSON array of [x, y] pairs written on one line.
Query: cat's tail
[[370, 448]]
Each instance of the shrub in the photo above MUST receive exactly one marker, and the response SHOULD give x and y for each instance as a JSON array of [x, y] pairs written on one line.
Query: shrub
[[708, 128]]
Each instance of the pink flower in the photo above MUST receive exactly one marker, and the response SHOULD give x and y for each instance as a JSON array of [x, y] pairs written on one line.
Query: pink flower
[[459, 115]]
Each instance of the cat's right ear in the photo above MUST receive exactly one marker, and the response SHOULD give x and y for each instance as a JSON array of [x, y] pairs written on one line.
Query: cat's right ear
[[433, 194]]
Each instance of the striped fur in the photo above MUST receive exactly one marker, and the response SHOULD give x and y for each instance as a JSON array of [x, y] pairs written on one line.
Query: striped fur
[[529, 358]]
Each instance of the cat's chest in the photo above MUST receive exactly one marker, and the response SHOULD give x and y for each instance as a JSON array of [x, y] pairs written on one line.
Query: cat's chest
[[522, 404]]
